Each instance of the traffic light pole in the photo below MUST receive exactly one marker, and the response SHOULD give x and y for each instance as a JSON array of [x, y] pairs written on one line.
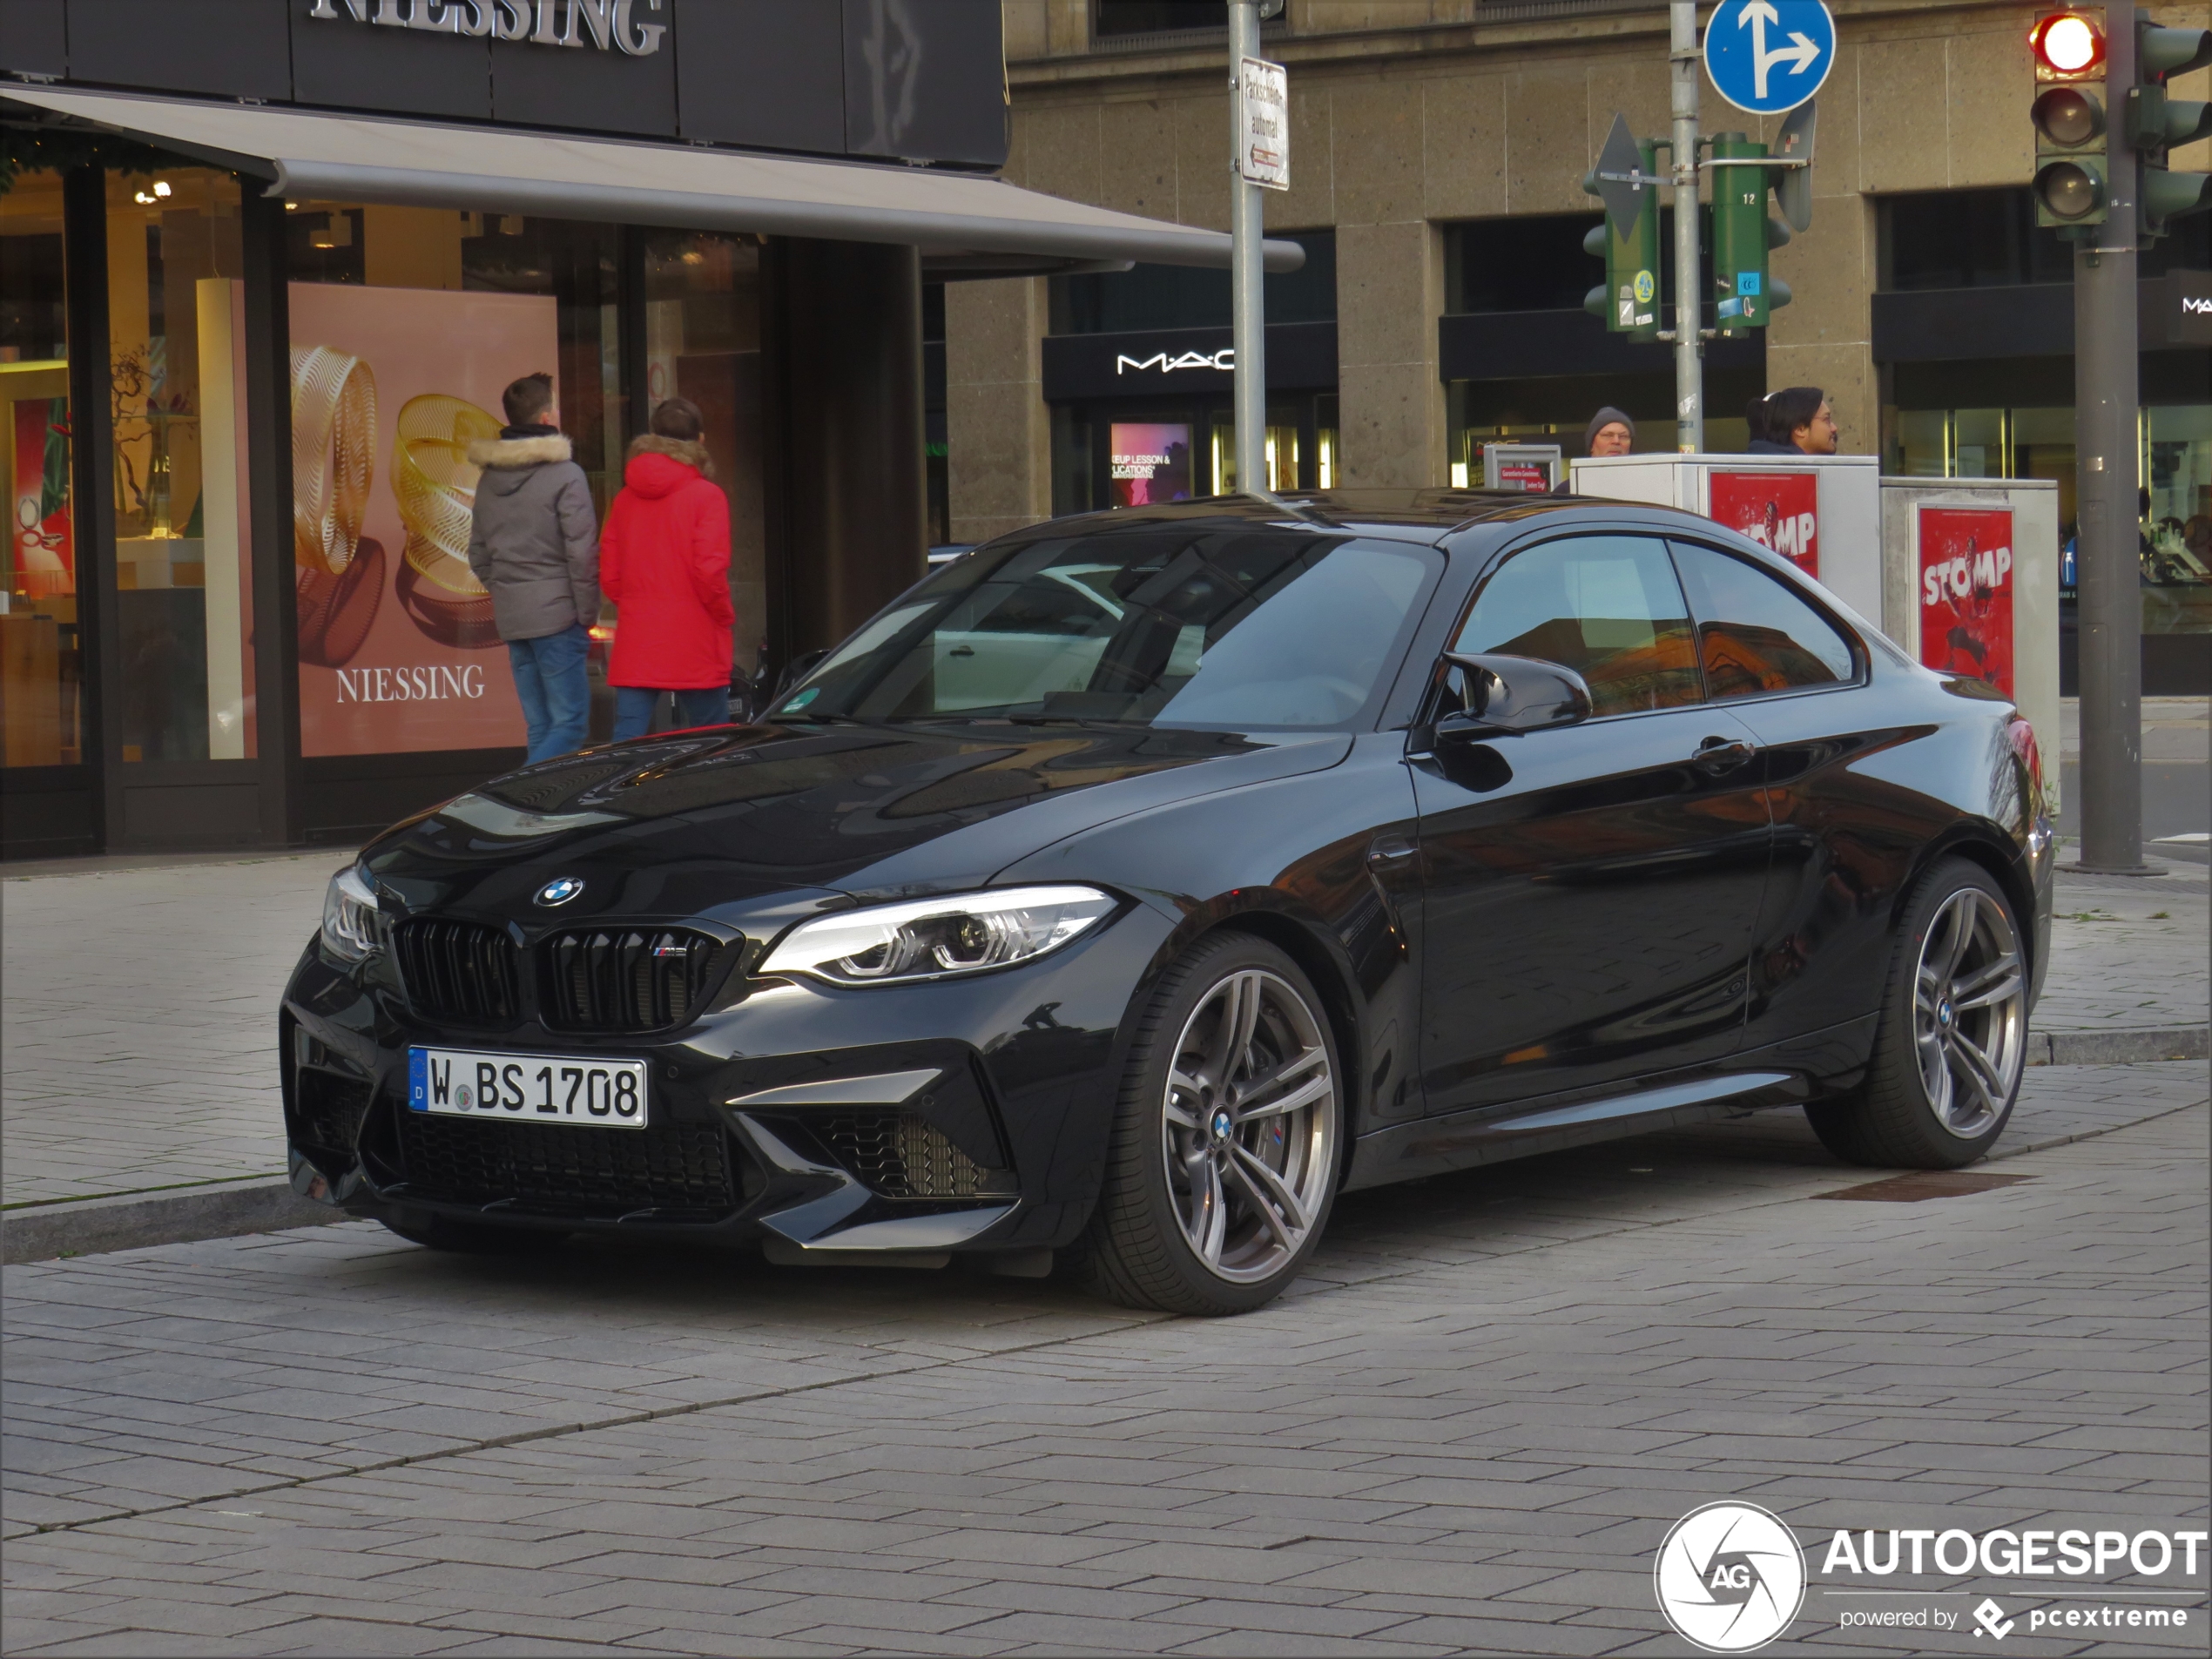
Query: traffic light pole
[[2108, 566], [1689, 290], [1249, 330]]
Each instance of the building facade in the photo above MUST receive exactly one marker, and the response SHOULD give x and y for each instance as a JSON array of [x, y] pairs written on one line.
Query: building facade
[[1439, 149], [266, 267]]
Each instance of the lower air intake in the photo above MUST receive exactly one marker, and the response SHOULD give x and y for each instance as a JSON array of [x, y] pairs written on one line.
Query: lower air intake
[[683, 1168], [901, 1156]]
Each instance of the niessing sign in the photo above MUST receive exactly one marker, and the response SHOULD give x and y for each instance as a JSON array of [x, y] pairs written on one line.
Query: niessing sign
[[602, 24]]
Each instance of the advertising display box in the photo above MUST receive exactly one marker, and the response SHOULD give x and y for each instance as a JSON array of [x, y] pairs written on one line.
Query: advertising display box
[[1971, 586], [1962, 573], [1823, 513]]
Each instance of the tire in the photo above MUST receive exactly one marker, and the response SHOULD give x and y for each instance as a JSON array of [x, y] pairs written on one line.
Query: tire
[[469, 1238], [1952, 1040], [1218, 1186]]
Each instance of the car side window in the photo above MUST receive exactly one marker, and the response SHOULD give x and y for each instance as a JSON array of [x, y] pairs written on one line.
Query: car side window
[[1754, 635], [1607, 606]]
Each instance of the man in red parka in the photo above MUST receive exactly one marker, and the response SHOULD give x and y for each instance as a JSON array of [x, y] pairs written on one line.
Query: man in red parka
[[665, 561]]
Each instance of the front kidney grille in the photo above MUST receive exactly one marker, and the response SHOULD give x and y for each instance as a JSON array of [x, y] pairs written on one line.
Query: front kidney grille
[[458, 970], [602, 1173], [603, 978], [902, 1155]]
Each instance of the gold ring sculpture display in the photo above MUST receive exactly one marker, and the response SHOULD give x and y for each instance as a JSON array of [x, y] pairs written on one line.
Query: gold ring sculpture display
[[339, 573], [435, 486]]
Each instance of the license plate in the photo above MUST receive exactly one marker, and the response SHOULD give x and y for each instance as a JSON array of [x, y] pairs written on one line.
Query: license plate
[[527, 1088]]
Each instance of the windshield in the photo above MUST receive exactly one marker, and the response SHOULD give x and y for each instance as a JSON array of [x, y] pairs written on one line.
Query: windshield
[[1198, 625]]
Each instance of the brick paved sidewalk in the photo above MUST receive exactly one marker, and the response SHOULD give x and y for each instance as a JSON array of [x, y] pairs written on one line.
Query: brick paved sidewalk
[[138, 1035], [1467, 1431]]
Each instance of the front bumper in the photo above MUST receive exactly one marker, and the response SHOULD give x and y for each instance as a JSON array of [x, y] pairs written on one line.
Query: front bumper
[[820, 1122]]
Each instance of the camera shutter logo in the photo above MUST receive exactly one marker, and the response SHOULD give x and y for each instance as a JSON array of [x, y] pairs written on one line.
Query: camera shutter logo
[[1729, 1577]]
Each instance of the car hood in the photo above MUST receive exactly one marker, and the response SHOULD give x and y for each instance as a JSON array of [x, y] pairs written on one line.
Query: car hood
[[702, 821]]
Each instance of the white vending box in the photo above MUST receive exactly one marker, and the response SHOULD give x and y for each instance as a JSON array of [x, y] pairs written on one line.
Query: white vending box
[[1823, 513], [1961, 573], [1971, 586]]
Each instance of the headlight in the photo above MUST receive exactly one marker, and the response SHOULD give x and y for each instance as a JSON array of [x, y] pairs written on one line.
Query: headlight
[[349, 917], [922, 938]]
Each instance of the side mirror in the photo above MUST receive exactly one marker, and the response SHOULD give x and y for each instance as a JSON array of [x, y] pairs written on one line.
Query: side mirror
[[1507, 695]]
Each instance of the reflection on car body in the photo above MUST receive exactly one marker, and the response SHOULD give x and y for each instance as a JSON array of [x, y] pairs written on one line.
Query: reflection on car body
[[1135, 883]]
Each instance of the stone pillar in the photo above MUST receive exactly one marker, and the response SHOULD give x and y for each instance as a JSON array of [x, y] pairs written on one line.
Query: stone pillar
[[998, 432], [1390, 291]]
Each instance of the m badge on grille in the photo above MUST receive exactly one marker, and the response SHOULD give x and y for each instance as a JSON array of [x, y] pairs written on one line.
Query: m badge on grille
[[560, 890]]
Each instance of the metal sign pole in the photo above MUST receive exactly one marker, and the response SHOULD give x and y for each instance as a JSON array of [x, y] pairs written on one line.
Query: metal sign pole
[[1690, 292], [2109, 563], [1248, 333]]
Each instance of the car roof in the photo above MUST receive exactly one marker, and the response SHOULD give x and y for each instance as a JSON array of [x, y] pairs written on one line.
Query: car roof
[[1396, 515]]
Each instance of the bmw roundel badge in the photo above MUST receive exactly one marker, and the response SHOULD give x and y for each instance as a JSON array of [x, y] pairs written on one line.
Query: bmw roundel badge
[[560, 890]]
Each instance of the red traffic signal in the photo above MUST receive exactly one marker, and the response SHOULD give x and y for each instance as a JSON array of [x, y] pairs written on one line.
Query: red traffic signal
[[2068, 46]]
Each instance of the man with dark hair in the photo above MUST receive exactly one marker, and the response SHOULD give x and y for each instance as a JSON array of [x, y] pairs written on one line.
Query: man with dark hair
[[535, 545], [1797, 422]]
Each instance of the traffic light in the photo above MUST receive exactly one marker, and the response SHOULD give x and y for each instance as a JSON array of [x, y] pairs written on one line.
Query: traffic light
[[2155, 123], [2069, 118], [1742, 234], [1626, 177]]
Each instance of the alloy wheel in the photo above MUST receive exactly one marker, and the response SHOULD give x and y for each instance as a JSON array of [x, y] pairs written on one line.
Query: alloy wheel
[[1970, 1013], [1249, 1124]]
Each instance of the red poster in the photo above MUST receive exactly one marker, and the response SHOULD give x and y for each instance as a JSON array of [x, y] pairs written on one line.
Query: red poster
[[1966, 592], [1531, 478], [1780, 510]]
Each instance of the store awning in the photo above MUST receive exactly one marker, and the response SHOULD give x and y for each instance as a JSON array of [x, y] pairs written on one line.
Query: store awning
[[964, 224]]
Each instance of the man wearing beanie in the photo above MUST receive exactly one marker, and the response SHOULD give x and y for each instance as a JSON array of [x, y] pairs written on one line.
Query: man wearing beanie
[[1609, 433]]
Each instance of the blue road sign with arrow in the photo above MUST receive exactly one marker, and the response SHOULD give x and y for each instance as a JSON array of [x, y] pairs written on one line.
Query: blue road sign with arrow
[[1769, 56]]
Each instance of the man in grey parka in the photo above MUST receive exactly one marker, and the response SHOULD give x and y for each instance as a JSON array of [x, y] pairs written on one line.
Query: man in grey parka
[[534, 544]]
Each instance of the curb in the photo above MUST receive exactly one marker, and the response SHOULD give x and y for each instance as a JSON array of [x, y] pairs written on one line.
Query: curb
[[131, 1221], [126, 1221], [2117, 1048]]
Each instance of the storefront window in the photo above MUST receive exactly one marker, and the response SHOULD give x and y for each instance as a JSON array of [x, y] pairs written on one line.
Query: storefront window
[[41, 655], [407, 324], [703, 342], [177, 382]]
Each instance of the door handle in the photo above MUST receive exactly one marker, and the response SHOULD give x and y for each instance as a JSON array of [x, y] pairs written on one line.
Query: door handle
[[962, 651], [1389, 849], [1718, 755]]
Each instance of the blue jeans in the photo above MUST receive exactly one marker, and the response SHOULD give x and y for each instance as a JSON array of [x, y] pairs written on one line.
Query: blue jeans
[[634, 706], [556, 693]]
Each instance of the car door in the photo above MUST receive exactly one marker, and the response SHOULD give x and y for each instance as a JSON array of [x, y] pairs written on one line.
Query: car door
[[1589, 890], [1845, 831]]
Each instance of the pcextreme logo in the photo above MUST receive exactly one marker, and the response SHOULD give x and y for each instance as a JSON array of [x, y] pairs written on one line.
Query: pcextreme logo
[[1729, 1577]]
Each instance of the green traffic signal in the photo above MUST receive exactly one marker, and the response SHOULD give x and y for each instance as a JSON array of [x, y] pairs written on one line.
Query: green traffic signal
[[1742, 236], [1628, 300]]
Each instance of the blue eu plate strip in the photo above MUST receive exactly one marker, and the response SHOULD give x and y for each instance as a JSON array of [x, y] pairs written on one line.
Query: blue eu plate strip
[[418, 1081]]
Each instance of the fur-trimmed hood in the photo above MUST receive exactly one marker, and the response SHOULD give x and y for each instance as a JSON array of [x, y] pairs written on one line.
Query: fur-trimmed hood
[[519, 452], [690, 451]]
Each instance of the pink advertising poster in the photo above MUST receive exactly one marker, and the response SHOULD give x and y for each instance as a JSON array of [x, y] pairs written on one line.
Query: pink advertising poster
[[389, 387], [1149, 461]]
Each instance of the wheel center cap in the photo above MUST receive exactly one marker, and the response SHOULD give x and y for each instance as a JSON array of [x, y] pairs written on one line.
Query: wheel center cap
[[1943, 1013], [1218, 1125]]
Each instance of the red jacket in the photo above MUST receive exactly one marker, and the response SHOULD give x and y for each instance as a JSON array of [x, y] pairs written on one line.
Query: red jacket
[[665, 561]]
